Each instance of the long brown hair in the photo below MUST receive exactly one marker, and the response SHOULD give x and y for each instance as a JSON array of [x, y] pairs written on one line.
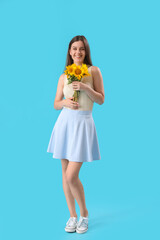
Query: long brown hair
[[87, 59]]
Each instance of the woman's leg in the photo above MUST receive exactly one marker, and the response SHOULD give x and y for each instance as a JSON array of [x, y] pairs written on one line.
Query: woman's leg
[[67, 192], [72, 175]]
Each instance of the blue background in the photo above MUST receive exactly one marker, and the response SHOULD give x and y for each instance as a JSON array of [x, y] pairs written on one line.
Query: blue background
[[122, 189]]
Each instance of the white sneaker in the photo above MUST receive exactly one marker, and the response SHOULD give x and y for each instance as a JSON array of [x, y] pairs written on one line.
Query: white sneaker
[[82, 225], [71, 224]]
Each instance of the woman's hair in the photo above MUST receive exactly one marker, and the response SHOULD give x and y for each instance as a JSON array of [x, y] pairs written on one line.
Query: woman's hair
[[87, 59]]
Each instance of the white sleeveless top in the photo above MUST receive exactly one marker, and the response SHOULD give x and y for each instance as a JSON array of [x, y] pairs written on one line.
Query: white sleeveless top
[[85, 102]]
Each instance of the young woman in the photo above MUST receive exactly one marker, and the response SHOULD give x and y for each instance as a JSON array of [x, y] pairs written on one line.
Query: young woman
[[74, 138]]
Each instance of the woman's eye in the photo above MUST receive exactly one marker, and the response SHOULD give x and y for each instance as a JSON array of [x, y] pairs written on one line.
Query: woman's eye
[[76, 49]]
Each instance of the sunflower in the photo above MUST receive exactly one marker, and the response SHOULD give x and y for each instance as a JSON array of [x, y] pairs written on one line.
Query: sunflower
[[84, 66], [85, 70], [74, 72], [69, 69], [78, 73]]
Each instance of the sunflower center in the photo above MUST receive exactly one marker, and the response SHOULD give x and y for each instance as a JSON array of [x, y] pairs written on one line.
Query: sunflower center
[[78, 71], [70, 70]]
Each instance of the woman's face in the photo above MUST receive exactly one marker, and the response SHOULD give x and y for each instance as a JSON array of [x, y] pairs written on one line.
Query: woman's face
[[77, 52]]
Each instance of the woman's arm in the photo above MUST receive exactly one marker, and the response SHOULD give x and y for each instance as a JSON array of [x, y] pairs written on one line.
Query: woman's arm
[[96, 94], [59, 101]]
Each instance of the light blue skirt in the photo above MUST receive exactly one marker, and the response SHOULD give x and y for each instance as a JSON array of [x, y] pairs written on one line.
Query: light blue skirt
[[74, 137]]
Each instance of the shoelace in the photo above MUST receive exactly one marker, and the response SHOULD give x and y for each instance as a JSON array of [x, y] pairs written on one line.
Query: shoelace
[[82, 222], [70, 221]]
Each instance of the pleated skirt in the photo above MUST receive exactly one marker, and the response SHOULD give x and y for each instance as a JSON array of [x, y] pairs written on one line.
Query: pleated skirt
[[74, 137]]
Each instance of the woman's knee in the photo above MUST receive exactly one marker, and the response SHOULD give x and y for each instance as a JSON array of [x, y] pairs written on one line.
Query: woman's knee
[[71, 178]]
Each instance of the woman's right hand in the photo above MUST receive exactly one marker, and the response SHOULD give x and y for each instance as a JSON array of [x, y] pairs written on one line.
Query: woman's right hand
[[68, 102]]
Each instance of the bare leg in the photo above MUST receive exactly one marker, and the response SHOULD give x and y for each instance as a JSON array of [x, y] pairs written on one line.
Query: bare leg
[[67, 192], [76, 186]]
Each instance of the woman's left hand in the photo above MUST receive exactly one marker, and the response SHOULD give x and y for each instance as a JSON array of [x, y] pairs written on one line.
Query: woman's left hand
[[78, 85]]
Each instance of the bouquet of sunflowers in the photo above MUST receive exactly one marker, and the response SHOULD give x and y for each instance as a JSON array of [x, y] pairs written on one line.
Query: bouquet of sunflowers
[[76, 73]]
